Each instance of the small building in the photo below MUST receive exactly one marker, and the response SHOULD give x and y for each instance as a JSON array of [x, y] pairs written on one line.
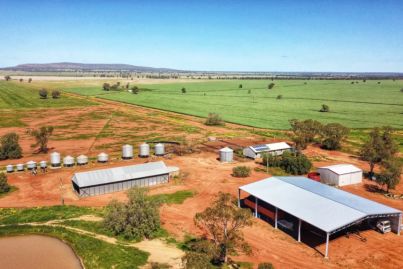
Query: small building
[[340, 174], [256, 151], [121, 178]]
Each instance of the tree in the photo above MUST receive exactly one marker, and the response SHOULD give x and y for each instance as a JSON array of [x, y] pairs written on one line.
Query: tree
[[43, 93], [390, 174], [295, 163], [379, 147], [270, 86], [279, 97], [183, 90], [332, 134], [9, 147], [55, 94], [135, 90], [136, 219], [41, 136], [106, 86], [29, 80], [213, 119], [223, 223], [324, 108], [4, 187], [241, 171], [7, 78], [240, 86], [305, 132], [21, 79], [200, 254]]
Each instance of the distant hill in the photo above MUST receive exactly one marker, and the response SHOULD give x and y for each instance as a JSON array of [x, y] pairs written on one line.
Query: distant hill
[[66, 67]]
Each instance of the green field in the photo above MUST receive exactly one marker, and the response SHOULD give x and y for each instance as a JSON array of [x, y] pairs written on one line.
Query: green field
[[360, 105]]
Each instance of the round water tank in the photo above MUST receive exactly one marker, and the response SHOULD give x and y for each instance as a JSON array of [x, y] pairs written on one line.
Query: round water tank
[[127, 152], [10, 168], [144, 150], [102, 157], [31, 165], [43, 164], [68, 161], [159, 149], [20, 167], [55, 159], [82, 160], [226, 155]]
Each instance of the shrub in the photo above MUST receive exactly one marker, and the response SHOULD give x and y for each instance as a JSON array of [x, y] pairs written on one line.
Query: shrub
[[4, 187], [241, 171], [183, 90], [55, 94], [240, 86], [29, 80], [270, 86], [214, 119], [271, 160], [325, 108], [296, 164], [279, 97], [9, 147], [249, 91], [43, 93], [106, 86], [135, 90], [157, 265], [7, 78], [265, 265], [21, 79]]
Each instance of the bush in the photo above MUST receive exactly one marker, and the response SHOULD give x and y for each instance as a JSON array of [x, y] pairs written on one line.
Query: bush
[[156, 265], [9, 147], [240, 86], [265, 265], [325, 108], [4, 187], [183, 90], [106, 86], [55, 94], [279, 97], [270, 86], [241, 171], [296, 164], [29, 80], [135, 90], [7, 78], [43, 93], [271, 160], [214, 119]]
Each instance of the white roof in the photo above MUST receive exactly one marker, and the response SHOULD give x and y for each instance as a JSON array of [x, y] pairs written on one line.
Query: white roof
[[322, 206], [226, 149], [341, 169], [270, 147], [116, 174]]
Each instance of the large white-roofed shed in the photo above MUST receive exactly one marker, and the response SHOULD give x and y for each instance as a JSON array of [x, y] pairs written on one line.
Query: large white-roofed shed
[[340, 174], [301, 203], [256, 151]]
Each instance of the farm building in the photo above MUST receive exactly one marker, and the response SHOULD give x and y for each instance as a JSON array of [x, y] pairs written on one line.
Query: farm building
[[273, 148], [302, 206], [340, 174], [121, 178]]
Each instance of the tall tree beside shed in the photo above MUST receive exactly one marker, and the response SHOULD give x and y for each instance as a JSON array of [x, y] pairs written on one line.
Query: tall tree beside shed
[[41, 136], [390, 174]]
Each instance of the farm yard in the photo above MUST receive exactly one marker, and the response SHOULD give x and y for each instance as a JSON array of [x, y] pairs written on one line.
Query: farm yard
[[88, 120]]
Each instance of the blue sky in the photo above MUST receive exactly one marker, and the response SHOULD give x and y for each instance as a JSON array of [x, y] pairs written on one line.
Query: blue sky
[[315, 35]]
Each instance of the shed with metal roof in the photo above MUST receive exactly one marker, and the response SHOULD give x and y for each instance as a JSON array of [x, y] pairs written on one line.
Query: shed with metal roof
[[256, 151], [340, 174]]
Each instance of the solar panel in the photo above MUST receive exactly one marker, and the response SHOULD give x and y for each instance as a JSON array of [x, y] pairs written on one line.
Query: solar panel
[[259, 148]]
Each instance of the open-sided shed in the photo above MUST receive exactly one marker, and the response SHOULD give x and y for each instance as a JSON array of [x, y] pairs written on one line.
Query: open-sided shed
[[325, 208]]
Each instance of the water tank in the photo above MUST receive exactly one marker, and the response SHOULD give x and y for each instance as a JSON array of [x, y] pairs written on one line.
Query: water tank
[[127, 152], [159, 149], [20, 167], [10, 168], [82, 160], [102, 157], [144, 150], [55, 159], [43, 164], [226, 155], [68, 161], [31, 165]]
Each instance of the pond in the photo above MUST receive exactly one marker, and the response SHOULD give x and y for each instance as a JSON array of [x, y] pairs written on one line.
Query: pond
[[36, 252]]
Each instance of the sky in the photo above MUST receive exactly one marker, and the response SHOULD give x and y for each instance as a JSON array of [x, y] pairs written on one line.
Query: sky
[[218, 35]]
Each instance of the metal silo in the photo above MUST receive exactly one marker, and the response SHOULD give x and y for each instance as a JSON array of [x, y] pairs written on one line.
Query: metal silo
[[82, 160], [159, 149], [55, 159], [43, 164], [20, 167], [68, 161], [226, 155], [144, 150], [127, 152], [102, 157], [31, 165], [10, 168]]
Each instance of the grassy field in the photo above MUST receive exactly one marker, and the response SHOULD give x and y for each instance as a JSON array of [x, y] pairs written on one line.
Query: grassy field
[[359, 105]]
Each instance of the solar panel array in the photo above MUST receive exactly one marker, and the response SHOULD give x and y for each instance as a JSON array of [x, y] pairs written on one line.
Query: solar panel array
[[260, 148]]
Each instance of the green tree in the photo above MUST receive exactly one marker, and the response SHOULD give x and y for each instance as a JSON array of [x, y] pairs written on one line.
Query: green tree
[[55, 94], [223, 223], [305, 132], [9, 147], [270, 86], [106, 86], [295, 163], [390, 174], [201, 254], [324, 108], [240, 86], [279, 97], [21, 79], [332, 134], [43, 93], [135, 90], [7, 78], [41, 136], [183, 90], [136, 219], [4, 187], [213, 119]]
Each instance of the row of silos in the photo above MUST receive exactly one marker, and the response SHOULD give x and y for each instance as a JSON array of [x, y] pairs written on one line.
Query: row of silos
[[144, 150], [29, 165]]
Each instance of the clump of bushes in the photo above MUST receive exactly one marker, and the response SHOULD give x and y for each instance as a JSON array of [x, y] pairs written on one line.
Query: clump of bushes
[[135, 90], [213, 119], [324, 108], [4, 187], [55, 94], [183, 90], [265, 265], [43, 93], [292, 163], [241, 171], [9, 147], [270, 86]]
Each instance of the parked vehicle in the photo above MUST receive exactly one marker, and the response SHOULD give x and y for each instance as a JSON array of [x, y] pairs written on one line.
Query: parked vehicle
[[383, 226]]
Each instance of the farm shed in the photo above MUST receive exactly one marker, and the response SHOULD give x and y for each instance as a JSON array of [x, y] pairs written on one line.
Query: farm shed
[[340, 174], [273, 148], [121, 178], [296, 203]]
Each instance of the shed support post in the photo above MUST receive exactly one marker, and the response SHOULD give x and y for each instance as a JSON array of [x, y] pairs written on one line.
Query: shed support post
[[256, 201], [327, 246], [275, 218], [239, 197], [399, 225], [299, 230]]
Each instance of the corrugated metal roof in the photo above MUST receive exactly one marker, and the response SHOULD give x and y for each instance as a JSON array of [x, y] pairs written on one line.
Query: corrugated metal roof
[[320, 205], [342, 169], [270, 147], [116, 174]]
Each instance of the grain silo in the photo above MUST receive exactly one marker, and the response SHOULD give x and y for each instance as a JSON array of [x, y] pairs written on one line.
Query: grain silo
[[82, 160], [68, 161], [127, 152], [31, 165], [20, 167], [55, 159], [144, 150], [159, 149], [10, 168], [43, 164], [103, 157], [226, 155]]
